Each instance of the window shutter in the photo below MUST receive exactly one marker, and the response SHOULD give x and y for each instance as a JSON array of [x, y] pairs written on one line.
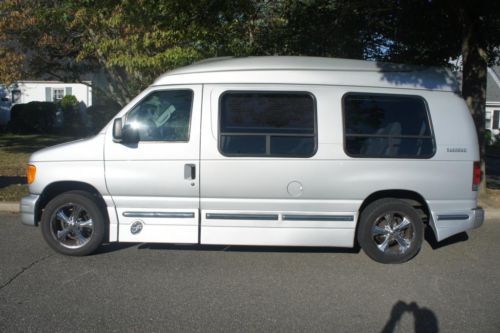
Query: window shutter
[[48, 94], [496, 116], [69, 91]]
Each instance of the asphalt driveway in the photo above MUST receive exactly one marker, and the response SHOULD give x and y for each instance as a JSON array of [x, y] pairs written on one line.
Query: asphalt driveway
[[448, 287]]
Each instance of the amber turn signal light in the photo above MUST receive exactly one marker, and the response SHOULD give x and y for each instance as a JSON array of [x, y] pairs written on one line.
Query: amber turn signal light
[[30, 173]]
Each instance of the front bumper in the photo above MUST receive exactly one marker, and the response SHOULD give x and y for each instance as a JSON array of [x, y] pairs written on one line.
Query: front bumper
[[28, 209]]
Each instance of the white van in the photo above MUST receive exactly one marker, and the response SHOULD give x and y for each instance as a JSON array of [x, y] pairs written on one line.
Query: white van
[[283, 151]]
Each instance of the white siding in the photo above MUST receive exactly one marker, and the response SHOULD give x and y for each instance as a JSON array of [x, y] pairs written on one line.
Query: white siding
[[35, 91]]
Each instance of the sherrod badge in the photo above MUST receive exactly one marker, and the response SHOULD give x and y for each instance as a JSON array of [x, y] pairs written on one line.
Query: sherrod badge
[[456, 150]]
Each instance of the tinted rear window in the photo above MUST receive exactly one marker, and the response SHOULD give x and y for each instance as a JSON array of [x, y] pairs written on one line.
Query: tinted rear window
[[387, 126]]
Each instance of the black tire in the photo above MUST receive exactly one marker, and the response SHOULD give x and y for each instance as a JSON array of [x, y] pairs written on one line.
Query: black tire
[[385, 236], [73, 235]]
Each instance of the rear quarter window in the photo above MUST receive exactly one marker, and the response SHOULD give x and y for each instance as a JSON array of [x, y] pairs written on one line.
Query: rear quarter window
[[387, 126]]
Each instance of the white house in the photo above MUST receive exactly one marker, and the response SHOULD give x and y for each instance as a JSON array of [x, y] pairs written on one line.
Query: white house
[[493, 100], [50, 91]]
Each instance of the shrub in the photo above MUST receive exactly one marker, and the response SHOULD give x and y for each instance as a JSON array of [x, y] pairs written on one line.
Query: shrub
[[33, 117], [69, 102], [74, 119], [488, 137]]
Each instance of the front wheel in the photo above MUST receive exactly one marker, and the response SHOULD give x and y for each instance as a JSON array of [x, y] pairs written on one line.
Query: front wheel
[[390, 231], [73, 224]]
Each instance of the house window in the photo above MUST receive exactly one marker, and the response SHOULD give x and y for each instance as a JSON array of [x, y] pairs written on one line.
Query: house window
[[488, 120], [255, 123], [390, 126], [496, 119], [57, 94]]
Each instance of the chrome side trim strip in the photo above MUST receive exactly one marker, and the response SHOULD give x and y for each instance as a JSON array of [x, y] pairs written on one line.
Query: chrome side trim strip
[[452, 217], [262, 217], [340, 218], [172, 215]]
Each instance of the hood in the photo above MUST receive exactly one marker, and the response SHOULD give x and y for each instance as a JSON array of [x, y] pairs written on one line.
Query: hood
[[90, 149]]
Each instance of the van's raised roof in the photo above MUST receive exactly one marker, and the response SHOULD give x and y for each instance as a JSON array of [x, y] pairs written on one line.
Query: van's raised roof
[[204, 71], [289, 63]]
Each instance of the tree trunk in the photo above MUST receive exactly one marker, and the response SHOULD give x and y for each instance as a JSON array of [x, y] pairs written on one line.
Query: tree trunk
[[475, 68]]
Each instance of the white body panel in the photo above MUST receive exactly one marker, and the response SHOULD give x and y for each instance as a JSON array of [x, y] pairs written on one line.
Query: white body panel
[[159, 230], [298, 232], [80, 161], [247, 200]]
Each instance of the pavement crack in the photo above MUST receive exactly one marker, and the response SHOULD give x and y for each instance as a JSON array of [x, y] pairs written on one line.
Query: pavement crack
[[24, 269]]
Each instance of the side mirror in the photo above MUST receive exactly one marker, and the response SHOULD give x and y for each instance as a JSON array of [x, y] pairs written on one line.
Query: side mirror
[[124, 133], [130, 135], [117, 130]]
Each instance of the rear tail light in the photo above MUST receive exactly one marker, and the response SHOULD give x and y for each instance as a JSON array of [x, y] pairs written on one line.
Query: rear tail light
[[476, 176]]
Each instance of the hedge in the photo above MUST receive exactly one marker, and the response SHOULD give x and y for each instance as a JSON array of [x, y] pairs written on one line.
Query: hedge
[[33, 117]]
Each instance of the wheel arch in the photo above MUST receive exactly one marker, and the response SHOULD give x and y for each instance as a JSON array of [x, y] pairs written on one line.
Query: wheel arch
[[411, 197], [54, 189]]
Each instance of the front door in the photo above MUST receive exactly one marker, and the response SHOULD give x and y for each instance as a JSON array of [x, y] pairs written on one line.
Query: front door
[[155, 183]]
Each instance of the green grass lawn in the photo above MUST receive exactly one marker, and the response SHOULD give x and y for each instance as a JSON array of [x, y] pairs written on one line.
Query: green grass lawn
[[15, 150]]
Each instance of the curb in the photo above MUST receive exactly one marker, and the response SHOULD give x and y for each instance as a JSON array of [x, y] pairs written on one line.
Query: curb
[[13, 207], [10, 207]]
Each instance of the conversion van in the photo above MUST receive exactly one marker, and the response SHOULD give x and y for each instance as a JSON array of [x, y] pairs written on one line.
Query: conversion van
[[281, 151]]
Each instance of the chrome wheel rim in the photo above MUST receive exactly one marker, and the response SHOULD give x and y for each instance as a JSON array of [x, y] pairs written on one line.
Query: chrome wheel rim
[[72, 226], [393, 233]]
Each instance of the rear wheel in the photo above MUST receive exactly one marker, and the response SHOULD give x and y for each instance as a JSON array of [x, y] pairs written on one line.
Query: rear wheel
[[390, 231], [73, 224]]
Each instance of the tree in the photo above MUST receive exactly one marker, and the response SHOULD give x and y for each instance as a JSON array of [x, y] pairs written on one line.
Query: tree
[[130, 42], [38, 41]]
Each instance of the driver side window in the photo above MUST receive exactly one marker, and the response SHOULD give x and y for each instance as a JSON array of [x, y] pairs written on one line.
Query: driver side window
[[162, 115]]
